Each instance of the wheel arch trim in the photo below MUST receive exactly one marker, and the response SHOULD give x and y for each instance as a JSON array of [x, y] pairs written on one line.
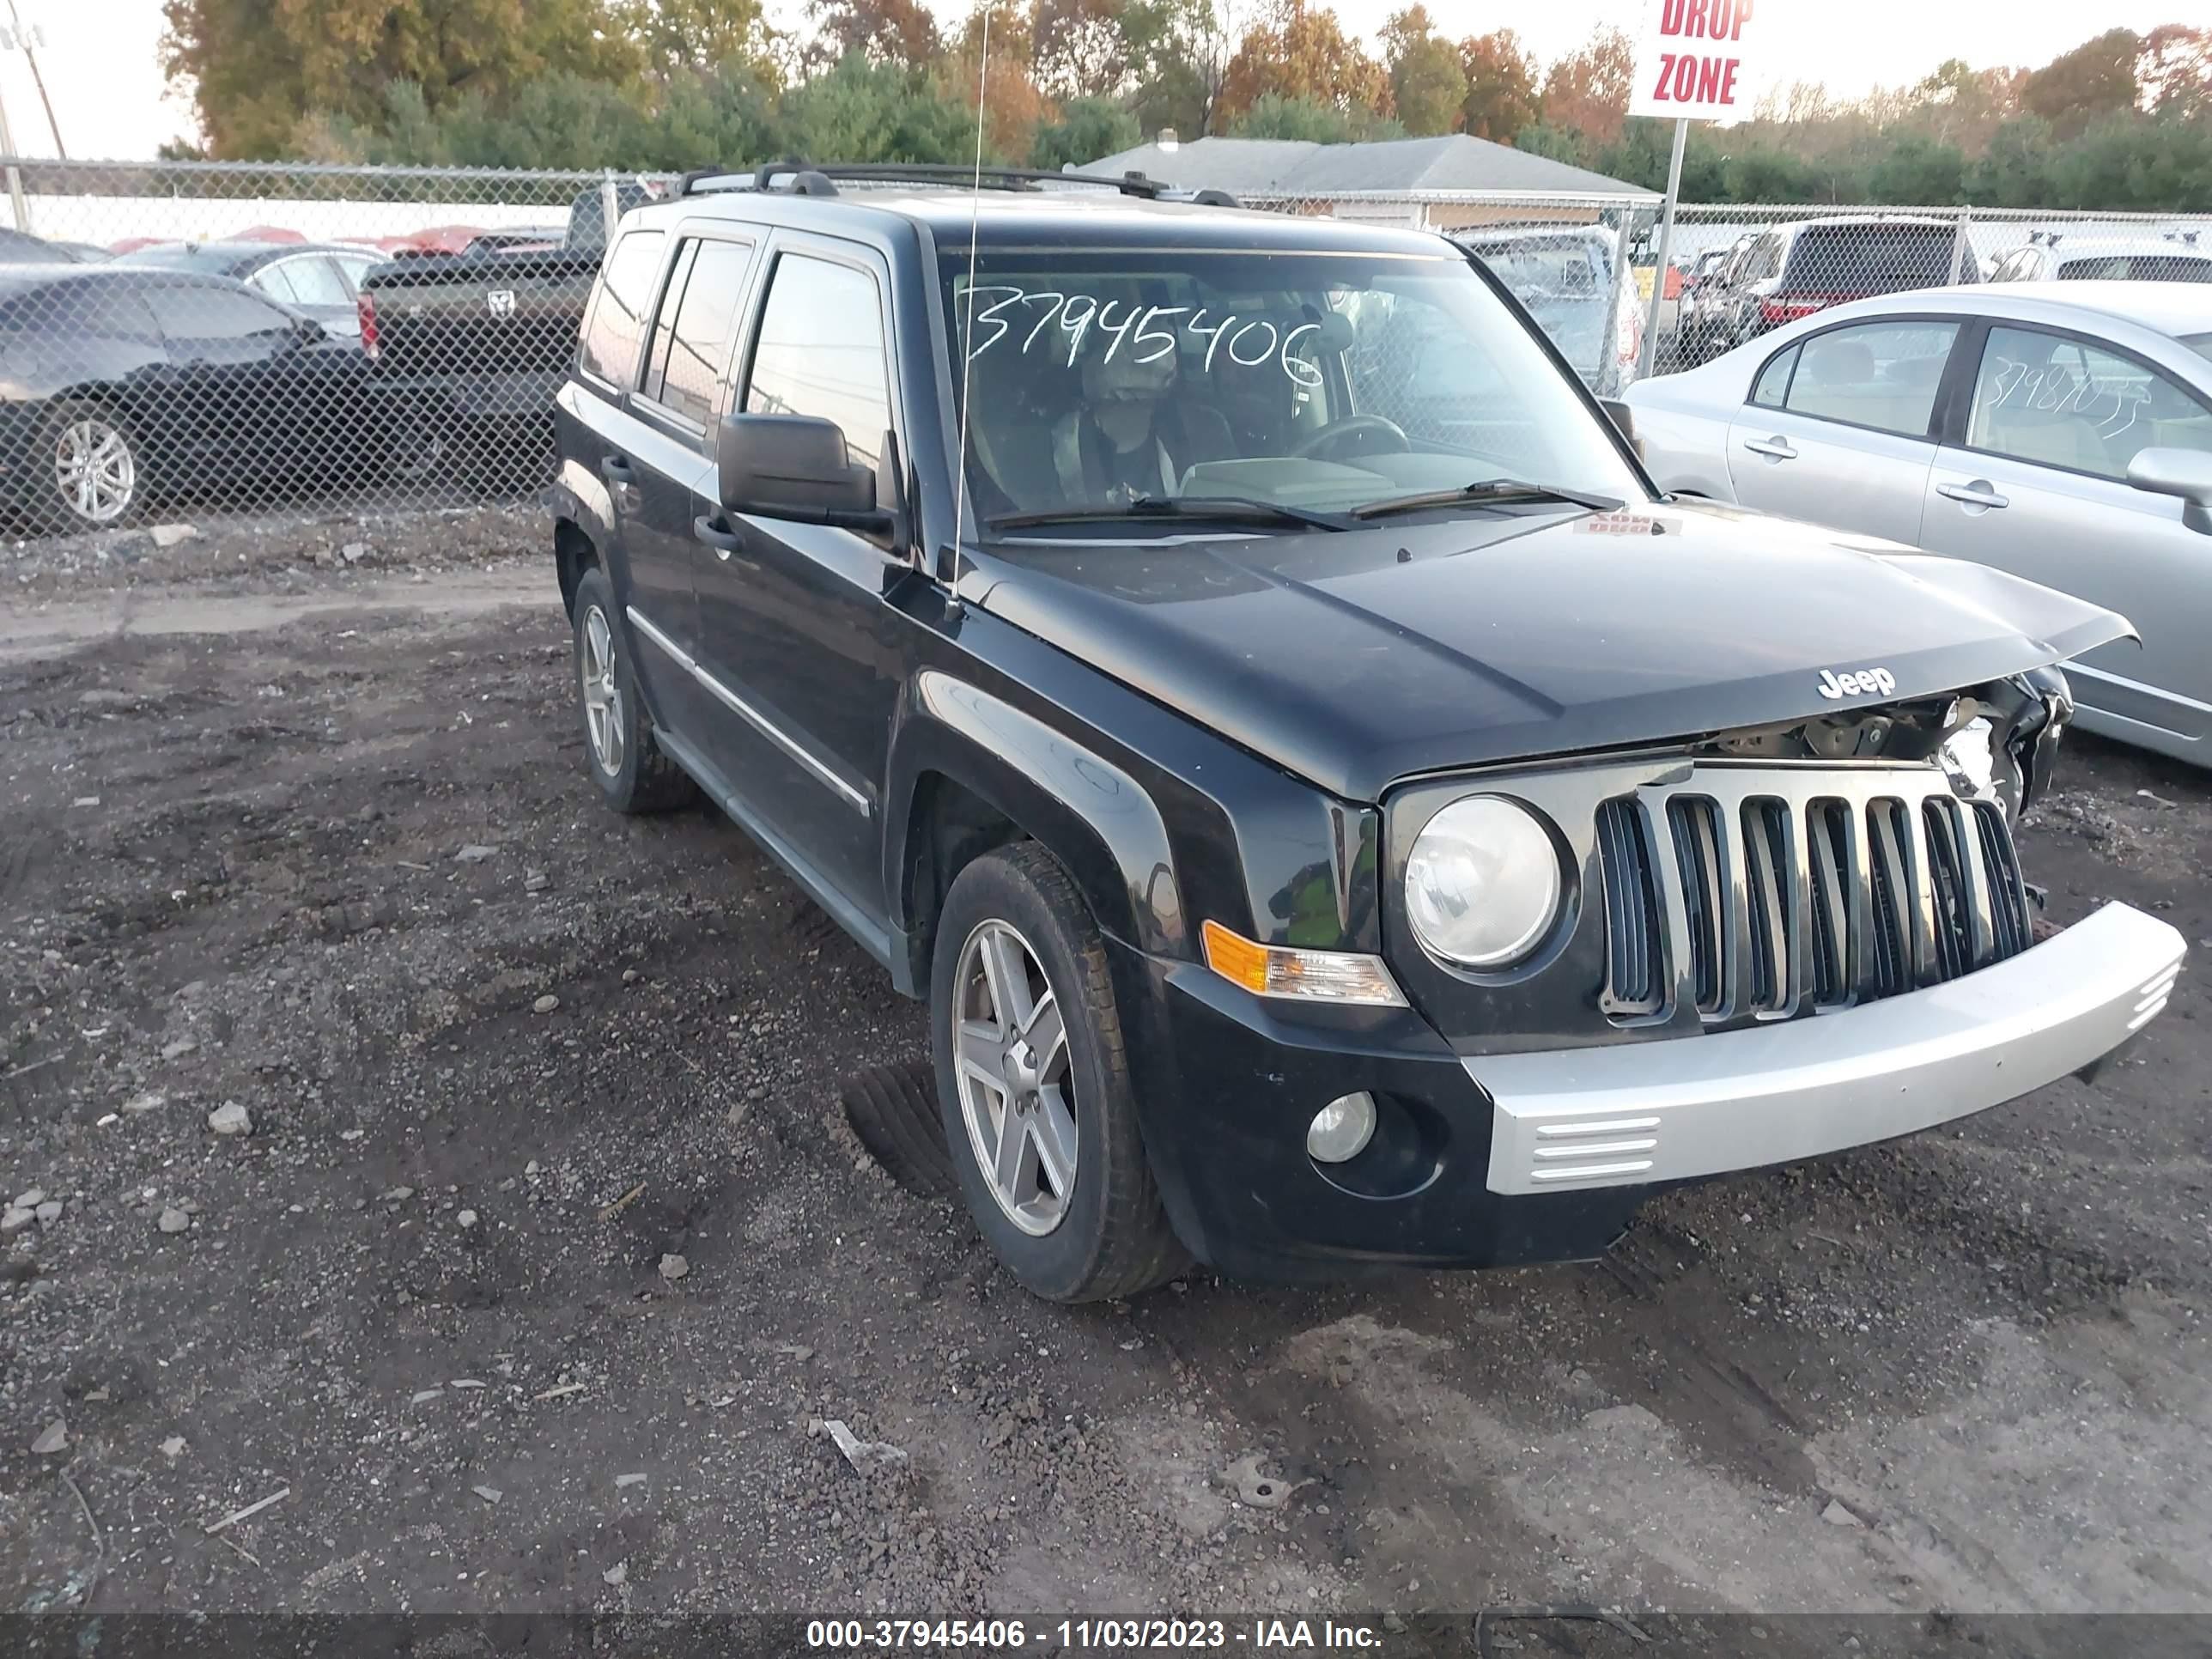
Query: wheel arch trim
[[1095, 817]]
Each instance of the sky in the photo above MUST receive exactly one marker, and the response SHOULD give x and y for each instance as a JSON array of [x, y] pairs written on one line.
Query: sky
[[102, 71]]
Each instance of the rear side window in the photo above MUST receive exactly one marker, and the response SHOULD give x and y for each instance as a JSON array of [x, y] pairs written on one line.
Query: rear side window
[[2137, 268], [618, 311], [317, 281], [198, 310], [821, 352], [1882, 375]]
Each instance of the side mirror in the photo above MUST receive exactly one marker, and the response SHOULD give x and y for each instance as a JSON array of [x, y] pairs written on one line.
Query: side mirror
[[1621, 416], [2183, 472], [794, 466]]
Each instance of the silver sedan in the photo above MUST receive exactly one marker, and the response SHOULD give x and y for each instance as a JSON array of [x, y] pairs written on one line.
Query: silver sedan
[[2062, 431]]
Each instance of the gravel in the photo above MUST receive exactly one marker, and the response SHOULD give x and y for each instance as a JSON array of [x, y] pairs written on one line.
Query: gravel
[[1987, 1346]]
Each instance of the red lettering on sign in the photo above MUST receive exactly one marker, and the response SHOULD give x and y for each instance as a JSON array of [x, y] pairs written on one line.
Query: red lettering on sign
[[1723, 18], [1743, 17], [1686, 80], [1693, 21], [1728, 82], [1670, 17], [1666, 71]]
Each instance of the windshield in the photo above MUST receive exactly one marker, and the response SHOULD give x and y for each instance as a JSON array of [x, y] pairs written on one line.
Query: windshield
[[1318, 381]]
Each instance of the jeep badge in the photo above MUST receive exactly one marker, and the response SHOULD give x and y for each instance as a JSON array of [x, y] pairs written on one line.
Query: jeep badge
[[1866, 680]]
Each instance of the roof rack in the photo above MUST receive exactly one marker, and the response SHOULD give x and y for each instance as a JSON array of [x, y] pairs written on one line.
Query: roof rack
[[796, 177]]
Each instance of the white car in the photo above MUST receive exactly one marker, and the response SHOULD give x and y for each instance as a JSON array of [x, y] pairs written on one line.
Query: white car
[[2061, 431], [2101, 255]]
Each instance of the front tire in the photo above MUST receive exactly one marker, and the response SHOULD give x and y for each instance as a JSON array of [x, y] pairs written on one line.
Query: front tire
[[1033, 1081], [627, 765], [91, 470]]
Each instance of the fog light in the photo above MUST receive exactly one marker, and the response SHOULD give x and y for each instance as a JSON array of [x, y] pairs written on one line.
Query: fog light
[[1341, 1130]]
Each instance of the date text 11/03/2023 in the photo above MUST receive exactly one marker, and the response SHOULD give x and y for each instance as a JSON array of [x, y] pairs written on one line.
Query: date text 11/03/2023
[[1090, 1635]]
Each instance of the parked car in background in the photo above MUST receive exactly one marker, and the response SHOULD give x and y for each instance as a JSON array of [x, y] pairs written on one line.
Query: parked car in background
[[20, 247], [119, 384], [467, 348], [1693, 324], [1566, 277], [1793, 271], [2062, 432], [2101, 255], [322, 281]]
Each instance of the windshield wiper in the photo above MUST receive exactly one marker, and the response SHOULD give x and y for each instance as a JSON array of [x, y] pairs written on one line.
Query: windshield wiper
[[1486, 493], [1239, 509]]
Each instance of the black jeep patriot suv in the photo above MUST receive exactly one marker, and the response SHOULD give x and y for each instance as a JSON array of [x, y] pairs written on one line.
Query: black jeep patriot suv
[[1337, 810]]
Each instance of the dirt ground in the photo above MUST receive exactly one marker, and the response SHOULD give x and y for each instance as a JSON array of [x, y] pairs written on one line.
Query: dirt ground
[[315, 839]]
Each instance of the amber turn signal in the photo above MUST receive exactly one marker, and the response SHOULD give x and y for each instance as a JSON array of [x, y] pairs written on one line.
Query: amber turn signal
[[1280, 970]]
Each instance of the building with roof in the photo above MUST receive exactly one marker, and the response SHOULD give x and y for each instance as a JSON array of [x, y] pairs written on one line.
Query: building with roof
[[1432, 183]]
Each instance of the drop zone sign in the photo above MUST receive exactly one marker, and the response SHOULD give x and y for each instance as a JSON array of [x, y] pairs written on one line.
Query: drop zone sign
[[1695, 59]]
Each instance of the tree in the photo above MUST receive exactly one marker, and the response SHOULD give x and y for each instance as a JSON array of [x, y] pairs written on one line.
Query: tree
[[1957, 104], [1303, 53], [1183, 49], [1587, 91], [1310, 121], [1088, 129], [1015, 108], [260, 68], [1428, 84], [673, 36], [901, 33], [1919, 170], [2015, 170], [2175, 69], [2094, 80], [1084, 49], [1501, 90]]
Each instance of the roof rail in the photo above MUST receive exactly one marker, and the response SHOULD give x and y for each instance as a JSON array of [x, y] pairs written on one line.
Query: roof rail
[[797, 177]]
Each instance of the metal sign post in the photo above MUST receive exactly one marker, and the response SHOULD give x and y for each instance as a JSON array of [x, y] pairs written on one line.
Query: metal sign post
[[1650, 353]]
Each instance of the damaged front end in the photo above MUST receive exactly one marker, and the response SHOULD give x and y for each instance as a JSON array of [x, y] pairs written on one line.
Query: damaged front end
[[1996, 741]]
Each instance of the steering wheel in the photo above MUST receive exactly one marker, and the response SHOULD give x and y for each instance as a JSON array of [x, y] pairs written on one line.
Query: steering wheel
[[1354, 426]]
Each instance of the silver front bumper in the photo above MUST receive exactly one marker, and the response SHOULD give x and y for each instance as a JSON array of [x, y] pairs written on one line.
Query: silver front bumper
[[1663, 1110]]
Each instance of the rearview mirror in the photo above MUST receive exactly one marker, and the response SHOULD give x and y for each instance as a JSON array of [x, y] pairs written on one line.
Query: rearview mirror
[[794, 466], [2183, 472]]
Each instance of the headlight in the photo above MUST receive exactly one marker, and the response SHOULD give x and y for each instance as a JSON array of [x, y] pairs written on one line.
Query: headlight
[[1482, 884]]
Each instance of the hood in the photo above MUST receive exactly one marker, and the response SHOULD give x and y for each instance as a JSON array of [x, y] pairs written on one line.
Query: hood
[[1358, 658]]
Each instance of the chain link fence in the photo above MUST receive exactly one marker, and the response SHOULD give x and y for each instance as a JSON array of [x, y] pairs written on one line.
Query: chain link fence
[[198, 339]]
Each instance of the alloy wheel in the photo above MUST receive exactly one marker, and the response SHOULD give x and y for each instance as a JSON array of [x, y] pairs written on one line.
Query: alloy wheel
[[95, 468], [603, 704], [1011, 1061]]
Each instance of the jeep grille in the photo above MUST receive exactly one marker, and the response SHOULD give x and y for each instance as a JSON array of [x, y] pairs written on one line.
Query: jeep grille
[[1762, 892]]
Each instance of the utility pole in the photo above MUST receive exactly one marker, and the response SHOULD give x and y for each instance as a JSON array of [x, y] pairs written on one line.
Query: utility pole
[[14, 174], [24, 38]]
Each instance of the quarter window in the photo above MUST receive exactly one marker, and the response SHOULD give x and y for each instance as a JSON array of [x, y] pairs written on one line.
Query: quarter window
[[2056, 402], [316, 281], [1882, 375], [1774, 379], [610, 336], [821, 352]]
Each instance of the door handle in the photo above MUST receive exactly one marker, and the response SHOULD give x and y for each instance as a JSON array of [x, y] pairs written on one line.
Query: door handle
[[717, 536], [1777, 448], [1977, 494], [619, 474]]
